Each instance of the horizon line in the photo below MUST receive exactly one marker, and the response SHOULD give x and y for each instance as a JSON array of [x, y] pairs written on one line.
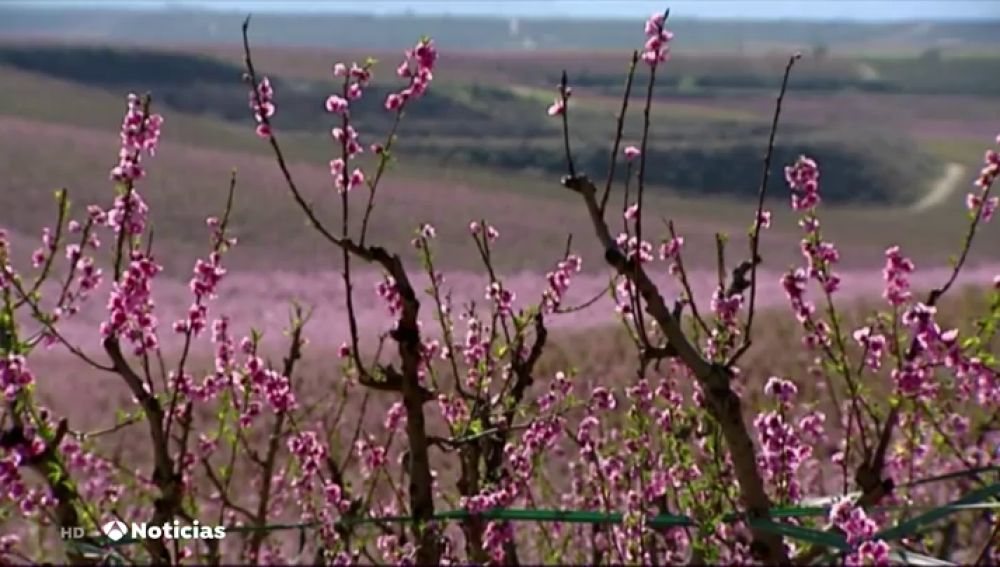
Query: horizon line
[[283, 11]]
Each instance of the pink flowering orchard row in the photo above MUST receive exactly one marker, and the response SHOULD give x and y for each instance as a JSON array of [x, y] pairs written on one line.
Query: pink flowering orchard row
[[470, 420]]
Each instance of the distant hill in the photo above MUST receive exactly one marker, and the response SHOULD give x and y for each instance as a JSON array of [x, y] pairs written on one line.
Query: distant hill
[[186, 26], [470, 123]]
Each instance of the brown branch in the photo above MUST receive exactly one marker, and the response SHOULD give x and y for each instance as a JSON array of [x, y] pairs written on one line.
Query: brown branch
[[63, 201], [564, 96], [618, 131], [722, 403], [171, 488], [274, 442], [407, 337], [761, 194], [686, 284]]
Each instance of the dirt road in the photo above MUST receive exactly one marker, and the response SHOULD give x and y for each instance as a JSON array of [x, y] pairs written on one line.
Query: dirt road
[[942, 189]]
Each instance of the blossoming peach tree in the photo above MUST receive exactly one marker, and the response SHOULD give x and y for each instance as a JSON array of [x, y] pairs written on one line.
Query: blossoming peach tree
[[673, 466]]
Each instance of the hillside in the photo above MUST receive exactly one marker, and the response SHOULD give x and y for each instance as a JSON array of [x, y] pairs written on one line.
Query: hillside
[[469, 122], [479, 145]]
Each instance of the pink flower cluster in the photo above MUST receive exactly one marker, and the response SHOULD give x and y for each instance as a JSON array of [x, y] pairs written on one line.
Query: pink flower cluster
[[633, 248], [657, 48], [262, 104], [794, 284], [388, 291], [309, 451], [987, 176], [130, 305], [453, 409], [559, 281], [204, 285], [783, 450], [418, 67], [873, 345], [476, 228], [726, 308], [803, 179], [860, 531], [372, 455], [931, 347], [395, 417], [129, 211], [275, 387], [558, 107], [47, 249], [425, 233], [14, 376], [476, 353], [896, 274], [31, 501], [348, 138], [139, 133], [502, 297]]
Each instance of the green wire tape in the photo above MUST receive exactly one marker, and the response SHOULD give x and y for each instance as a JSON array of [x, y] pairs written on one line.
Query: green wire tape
[[975, 500]]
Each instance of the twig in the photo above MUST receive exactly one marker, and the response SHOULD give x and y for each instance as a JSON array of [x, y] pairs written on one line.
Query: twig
[[618, 131], [761, 194]]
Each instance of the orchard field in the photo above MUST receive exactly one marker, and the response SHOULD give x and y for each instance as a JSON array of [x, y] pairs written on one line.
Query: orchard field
[[312, 374]]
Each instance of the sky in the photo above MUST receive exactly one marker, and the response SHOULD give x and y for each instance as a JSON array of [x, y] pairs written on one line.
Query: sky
[[863, 10]]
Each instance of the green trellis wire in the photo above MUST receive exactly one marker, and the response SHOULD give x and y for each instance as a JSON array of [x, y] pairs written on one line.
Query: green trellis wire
[[978, 499]]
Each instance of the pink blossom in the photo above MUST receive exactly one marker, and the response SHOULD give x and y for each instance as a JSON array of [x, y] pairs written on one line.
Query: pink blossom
[[336, 104], [633, 248], [354, 91], [504, 298], [130, 305], [671, 249], [262, 104], [395, 417], [631, 152], [874, 345], [657, 47], [139, 133], [393, 102], [764, 220], [417, 66], [896, 274], [559, 281], [130, 212], [14, 376], [388, 291], [557, 108], [632, 211], [803, 179], [783, 390]]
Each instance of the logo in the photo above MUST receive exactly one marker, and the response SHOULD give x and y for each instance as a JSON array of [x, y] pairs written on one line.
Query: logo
[[115, 530]]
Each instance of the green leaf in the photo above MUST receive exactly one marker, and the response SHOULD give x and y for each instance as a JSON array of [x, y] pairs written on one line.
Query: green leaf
[[476, 426], [809, 535]]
